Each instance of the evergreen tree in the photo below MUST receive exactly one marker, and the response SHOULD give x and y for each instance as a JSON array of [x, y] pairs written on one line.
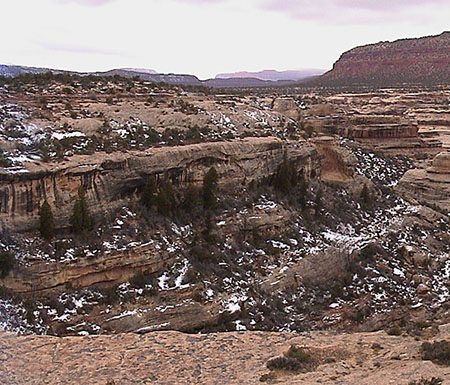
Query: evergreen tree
[[7, 262], [318, 203], [46, 222], [302, 191], [190, 198], [210, 188], [365, 198], [148, 197], [165, 200], [81, 219]]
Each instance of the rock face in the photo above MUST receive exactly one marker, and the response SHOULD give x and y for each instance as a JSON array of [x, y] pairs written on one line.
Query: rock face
[[413, 61], [379, 127], [431, 185], [223, 358], [110, 178], [110, 268]]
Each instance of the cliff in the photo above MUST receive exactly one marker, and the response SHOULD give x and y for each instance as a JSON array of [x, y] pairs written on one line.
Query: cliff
[[109, 179], [424, 61]]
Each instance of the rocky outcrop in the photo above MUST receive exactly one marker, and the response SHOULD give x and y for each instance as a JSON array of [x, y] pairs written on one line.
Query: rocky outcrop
[[408, 61], [108, 268], [287, 107], [338, 163], [110, 178], [225, 358], [431, 185], [379, 127]]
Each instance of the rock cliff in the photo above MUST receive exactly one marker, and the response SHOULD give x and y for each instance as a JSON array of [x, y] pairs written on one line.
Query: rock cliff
[[110, 178], [424, 60]]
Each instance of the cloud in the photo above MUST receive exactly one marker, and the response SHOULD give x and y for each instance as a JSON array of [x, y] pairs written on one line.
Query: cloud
[[94, 3], [78, 49], [352, 11]]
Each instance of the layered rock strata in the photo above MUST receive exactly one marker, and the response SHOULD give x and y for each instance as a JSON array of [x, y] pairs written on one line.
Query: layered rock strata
[[109, 178], [430, 185]]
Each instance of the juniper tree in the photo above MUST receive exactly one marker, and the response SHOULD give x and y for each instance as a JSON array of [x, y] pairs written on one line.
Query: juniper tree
[[318, 203], [210, 188], [148, 197], [7, 262], [81, 219], [365, 198], [46, 222], [165, 200]]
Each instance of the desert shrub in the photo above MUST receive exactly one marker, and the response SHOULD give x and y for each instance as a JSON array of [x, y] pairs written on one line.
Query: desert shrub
[[4, 161], [369, 251], [139, 280], [424, 381], [394, 331], [438, 352], [7, 262], [201, 254], [109, 295], [296, 359]]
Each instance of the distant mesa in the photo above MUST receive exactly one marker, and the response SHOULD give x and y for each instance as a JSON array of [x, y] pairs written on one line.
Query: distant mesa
[[273, 75], [421, 61], [141, 70]]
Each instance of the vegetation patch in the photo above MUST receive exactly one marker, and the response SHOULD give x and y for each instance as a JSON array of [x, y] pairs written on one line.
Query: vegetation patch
[[297, 360], [424, 381], [438, 352]]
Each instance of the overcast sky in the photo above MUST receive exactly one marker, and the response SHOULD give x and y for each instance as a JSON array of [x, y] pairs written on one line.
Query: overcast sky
[[205, 37]]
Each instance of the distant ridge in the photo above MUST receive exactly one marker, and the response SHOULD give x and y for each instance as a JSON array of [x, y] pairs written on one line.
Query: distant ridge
[[152, 76], [273, 75], [424, 61]]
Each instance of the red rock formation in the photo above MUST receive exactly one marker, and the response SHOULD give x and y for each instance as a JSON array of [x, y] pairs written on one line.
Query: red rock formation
[[412, 61]]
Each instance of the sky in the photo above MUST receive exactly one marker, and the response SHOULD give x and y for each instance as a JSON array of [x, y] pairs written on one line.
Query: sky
[[206, 37]]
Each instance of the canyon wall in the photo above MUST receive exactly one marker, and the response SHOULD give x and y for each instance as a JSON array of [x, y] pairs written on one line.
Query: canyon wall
[[110, 178]]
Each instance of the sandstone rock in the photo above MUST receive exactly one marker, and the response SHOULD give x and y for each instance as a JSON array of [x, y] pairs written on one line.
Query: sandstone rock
[[287, 107], [425, 60], [430, 185], [225, 358], [110, 178], [422, 289]]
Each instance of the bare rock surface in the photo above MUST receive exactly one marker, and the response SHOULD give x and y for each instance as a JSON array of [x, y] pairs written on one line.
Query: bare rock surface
[[430, 185], [224, 358]]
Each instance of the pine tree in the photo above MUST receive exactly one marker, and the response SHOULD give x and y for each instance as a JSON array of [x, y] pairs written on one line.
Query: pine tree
[[46, 222], [81, 219], [210, 188]]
